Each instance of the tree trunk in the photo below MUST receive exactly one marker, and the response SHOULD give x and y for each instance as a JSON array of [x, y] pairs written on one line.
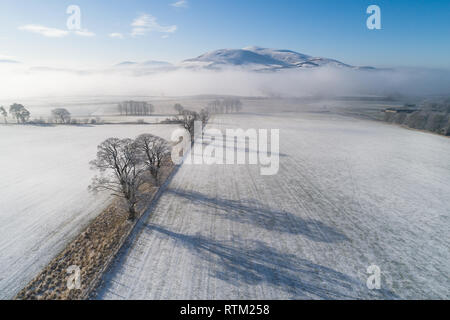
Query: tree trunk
[[132, 213], [156, 178]]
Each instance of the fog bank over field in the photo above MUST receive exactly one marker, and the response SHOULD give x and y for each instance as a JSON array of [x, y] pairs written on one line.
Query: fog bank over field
[[19, 82]]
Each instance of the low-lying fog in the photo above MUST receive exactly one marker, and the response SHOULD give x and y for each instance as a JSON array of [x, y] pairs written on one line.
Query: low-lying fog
[[18, 82]]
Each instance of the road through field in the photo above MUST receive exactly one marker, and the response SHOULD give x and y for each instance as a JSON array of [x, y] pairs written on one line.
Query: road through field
[[349, 194]]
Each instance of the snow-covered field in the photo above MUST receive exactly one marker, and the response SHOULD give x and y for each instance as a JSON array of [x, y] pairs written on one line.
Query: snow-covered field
[[115, 119], [44, 200], [349, 194]]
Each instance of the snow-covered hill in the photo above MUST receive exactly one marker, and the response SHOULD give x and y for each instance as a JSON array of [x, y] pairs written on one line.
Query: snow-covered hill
[[250, 58], [258, 58]]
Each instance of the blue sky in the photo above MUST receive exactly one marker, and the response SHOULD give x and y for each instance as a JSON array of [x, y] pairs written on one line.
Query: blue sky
[[414, 33]]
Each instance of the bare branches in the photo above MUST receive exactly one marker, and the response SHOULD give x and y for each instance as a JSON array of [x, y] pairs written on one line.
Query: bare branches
[[4, 113], [153, 150], [61, 114], [178, 108], [204, 117], [19, 112], [188, 120], [123, 161], [227, 105], [122, 164], [135, 108]]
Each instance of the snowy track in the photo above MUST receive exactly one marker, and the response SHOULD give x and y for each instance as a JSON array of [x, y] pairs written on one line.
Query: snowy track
[[349, 194], [44, 200]]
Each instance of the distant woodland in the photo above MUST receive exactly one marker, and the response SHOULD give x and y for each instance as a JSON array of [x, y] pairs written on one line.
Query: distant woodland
[[135, 108], [429, 116]]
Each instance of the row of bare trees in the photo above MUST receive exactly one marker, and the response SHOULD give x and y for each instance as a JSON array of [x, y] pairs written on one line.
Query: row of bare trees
[[63, 116], [126, 164], [228, 105], [22, 115], [135, 108], [188, 118], [58, 116]]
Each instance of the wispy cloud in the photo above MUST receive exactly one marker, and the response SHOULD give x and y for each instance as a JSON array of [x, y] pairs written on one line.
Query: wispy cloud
[[84, 33], [146, 23], [53, 32], [180, 4], [116, 35], [7, 59], [44, 31]]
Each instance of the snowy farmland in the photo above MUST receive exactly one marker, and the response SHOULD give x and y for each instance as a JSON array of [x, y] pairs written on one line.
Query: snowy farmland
[[44, 175], [349, 194]]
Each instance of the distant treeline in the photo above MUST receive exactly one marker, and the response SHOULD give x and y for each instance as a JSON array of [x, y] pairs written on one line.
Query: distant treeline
[[17, 111], [135, 108], [430, 116], [227, 105], [58, 116]]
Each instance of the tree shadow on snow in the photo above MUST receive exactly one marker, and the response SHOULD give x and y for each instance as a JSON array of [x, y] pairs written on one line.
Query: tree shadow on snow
[[241, 262], [249, 212], [234, 146]]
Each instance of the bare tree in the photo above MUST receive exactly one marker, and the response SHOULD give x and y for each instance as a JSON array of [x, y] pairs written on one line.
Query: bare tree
[[121, 167], [148, 109], [151, 108], [218, 106], [4, 114], [154, 150], [61, 114], [204, 117], [237, 105], [227, 105], [188, 120], [19, 112], [178, 108]]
